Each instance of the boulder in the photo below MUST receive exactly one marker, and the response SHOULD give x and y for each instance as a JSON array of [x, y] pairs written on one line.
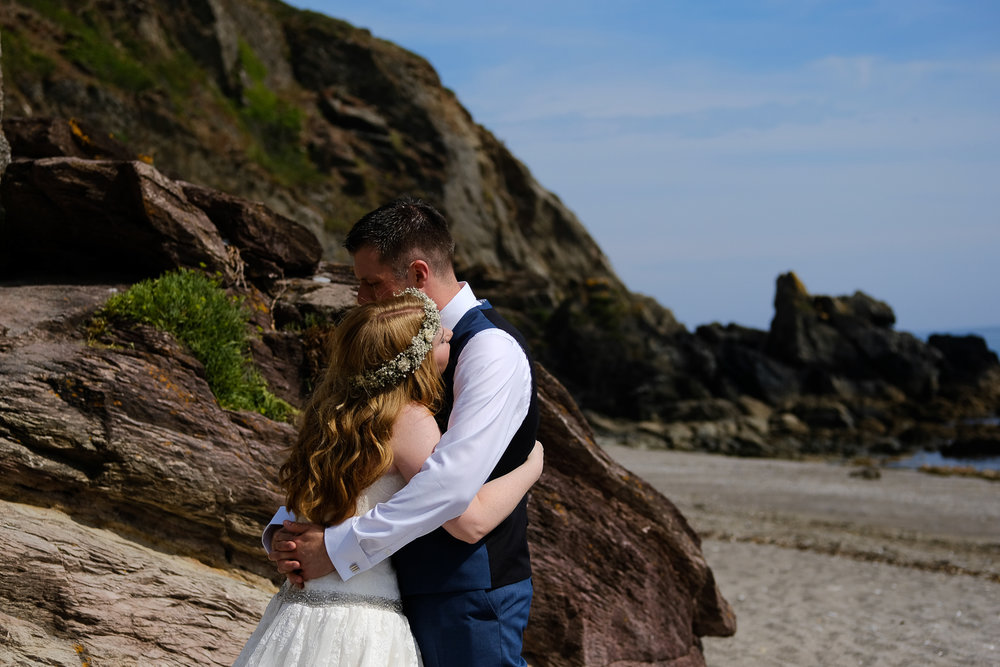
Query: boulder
[[125, 432], [71, 216], [270, 245], [90, 595], [591, 567]]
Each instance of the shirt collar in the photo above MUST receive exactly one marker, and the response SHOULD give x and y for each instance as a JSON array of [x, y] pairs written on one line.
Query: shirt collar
[[459, 305]]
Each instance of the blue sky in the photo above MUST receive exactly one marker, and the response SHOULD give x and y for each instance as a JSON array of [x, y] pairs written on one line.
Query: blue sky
[[711, 146]]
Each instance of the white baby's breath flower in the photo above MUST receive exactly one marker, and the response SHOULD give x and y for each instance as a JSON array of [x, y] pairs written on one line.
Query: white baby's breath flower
[[393, 371]]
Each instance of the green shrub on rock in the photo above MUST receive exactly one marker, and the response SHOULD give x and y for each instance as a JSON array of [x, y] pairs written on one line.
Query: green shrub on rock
[[213, 325]]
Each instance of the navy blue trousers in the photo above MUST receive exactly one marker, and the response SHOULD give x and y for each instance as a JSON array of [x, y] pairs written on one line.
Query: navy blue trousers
[[471, 628]]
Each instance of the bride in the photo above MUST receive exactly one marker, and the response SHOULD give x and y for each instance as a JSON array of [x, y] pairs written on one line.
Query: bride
[[364, 433]]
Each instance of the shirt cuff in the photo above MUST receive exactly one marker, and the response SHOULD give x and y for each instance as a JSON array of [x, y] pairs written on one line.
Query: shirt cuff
[[273, 525], [344, 551]]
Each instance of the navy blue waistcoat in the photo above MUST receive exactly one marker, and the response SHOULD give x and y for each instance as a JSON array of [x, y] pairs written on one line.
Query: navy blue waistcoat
[[439, 563]]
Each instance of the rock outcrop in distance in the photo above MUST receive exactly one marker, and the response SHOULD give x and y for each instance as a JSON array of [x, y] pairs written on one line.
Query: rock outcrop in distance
[[139, 501], [832, 377]]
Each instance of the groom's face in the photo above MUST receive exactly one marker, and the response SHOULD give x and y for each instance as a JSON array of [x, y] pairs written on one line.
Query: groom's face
[[376, 280]]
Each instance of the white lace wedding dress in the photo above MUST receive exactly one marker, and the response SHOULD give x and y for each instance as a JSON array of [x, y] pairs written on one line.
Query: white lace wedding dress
[[358, 622]]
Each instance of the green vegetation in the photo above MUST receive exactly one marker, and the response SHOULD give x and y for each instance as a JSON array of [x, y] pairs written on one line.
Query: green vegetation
[[179, 74], [193, 307], [111, 53], [21, 62], [275, 123], [91, 45], [89, 49]]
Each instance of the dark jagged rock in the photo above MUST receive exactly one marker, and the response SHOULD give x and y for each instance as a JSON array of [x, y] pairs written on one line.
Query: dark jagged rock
[[845, 334], [831, 377], [82, 217], [270, 245], [847, 339], [965, 357]]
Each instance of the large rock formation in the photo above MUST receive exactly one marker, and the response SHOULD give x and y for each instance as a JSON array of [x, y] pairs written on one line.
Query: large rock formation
[[830, 377], [141, 500]]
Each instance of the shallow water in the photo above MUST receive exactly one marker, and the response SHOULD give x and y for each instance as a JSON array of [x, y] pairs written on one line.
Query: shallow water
[[936, 459]]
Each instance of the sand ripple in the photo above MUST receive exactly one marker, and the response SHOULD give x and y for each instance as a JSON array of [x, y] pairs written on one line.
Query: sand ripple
[[825, 568]]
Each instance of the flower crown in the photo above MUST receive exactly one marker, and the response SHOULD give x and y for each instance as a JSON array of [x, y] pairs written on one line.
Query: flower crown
[[408, 361]]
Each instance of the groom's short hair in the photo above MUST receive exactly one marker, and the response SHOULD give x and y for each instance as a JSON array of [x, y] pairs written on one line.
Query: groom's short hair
[[403, 230]]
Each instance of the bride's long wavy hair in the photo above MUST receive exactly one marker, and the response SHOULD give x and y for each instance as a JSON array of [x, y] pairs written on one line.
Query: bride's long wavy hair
[[343, 440]]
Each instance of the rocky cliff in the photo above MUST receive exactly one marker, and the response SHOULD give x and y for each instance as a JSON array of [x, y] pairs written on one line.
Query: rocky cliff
[[321, 122]]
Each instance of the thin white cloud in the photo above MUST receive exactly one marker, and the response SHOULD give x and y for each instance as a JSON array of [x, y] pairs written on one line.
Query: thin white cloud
[[836, 81]]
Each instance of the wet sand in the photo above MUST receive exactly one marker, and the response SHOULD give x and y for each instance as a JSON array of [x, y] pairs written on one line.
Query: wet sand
[[826, 568]]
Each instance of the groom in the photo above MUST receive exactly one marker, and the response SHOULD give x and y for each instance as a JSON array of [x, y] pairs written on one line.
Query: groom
[[467, 604]]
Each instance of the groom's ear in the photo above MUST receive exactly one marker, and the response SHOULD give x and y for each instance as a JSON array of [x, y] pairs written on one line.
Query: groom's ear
[[419, 273]]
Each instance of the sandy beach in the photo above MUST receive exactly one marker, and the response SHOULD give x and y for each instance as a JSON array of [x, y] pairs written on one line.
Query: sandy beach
[[828, 568]]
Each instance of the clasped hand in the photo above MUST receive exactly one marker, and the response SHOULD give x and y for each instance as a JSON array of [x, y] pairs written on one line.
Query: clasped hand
[[299, 552]]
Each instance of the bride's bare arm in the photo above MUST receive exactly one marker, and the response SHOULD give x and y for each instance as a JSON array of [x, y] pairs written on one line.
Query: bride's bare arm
[[414, 436], [496, 500]]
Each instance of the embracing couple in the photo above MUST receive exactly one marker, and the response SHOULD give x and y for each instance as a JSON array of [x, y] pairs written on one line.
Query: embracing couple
[[419, 444]]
